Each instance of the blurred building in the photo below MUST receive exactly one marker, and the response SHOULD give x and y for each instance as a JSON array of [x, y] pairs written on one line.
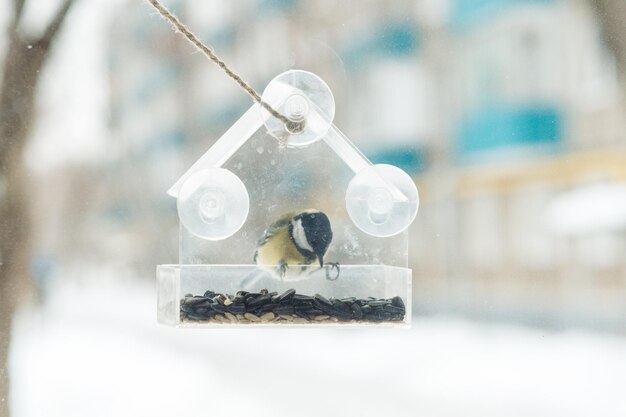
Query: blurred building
[[498, 107], [532, 100]]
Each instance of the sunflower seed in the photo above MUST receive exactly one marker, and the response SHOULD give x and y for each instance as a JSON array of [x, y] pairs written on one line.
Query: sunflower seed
[[252, 317], [267, 316], [393, 309], [284, 309], [237, 308], [231, 317], [286, 296], [221, 318], [219, 308], [322, 300], [259, 301], [379, 303], [356, 310]]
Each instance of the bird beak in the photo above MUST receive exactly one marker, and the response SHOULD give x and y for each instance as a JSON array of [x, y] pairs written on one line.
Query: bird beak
[[321, 259]]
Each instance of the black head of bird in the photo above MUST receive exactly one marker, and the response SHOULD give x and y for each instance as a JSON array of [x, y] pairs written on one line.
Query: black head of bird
[[311, 232]]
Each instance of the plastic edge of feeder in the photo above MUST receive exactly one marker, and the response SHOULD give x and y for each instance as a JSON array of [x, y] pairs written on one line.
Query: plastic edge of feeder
[[224, 147], [233, 139]]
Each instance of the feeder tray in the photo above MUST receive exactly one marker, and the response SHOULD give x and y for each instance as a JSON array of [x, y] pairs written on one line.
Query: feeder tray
[[261, 169]]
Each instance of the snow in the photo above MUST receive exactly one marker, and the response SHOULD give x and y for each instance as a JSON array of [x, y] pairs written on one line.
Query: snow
[[588, 209], [95, 349]]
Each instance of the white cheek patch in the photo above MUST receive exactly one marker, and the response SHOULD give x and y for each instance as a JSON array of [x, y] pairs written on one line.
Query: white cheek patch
[[300, 237]]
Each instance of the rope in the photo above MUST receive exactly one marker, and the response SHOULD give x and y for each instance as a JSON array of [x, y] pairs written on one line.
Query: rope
[[292, 127]]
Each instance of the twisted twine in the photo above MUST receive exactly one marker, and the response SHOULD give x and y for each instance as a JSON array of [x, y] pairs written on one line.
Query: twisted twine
[[208, 52]]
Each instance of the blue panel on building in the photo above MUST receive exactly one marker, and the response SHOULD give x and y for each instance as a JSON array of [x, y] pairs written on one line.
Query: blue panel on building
[[412, 160], [276, 5], [166, 140], [223, 38], [215, 118], [501, 127], [159, 79], [396, 39], [467, 13]]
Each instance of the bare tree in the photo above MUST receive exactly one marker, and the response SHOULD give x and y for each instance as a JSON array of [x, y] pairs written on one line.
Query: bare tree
[[21, 71]]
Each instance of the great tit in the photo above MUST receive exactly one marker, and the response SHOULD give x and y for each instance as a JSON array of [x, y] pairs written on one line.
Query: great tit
[[295, 239]]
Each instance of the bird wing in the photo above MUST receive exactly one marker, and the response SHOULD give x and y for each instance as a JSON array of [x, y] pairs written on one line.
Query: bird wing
[[277, 226]]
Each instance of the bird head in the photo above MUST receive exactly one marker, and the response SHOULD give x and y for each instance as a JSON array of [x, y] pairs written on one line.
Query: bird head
[[317, 233]]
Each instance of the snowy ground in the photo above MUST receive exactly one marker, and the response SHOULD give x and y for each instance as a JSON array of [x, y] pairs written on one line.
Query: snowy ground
[[95, 350]]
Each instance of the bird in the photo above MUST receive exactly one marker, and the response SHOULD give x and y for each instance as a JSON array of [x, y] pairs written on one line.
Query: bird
[[295, 239]]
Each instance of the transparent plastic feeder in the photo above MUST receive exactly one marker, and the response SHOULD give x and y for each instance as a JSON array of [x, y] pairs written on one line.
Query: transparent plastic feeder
[[261, 169]]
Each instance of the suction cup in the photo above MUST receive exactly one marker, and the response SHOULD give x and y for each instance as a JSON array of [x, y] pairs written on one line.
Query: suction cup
[[306, 101], [213, 203], [382, 200]]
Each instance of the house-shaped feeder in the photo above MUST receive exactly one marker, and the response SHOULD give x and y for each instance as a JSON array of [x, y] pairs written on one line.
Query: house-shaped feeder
[[256, 172]]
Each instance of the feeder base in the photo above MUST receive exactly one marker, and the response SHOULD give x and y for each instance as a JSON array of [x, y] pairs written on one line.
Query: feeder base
[[247, 296]]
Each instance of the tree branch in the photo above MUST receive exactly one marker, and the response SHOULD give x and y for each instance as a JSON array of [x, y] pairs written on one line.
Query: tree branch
[[611, 16], [54, 26], [18, 8]]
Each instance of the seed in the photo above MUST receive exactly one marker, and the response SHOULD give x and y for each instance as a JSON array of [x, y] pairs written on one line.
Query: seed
[[195, 300], [326, 308], [284, 309], [187, 308], [300, 320], [228, 302], [393, 309], [320, 318], [231, 317], [209, 294], [356, 310], [342, 309], [397, 302], [379, 303], [267, 316], [322, 300], [194, 316], [286, 317], [252, 317], [308, 312], [237, 308], [287, 295], [270, 307], [259, 301], [221, 318], [219, 308]]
